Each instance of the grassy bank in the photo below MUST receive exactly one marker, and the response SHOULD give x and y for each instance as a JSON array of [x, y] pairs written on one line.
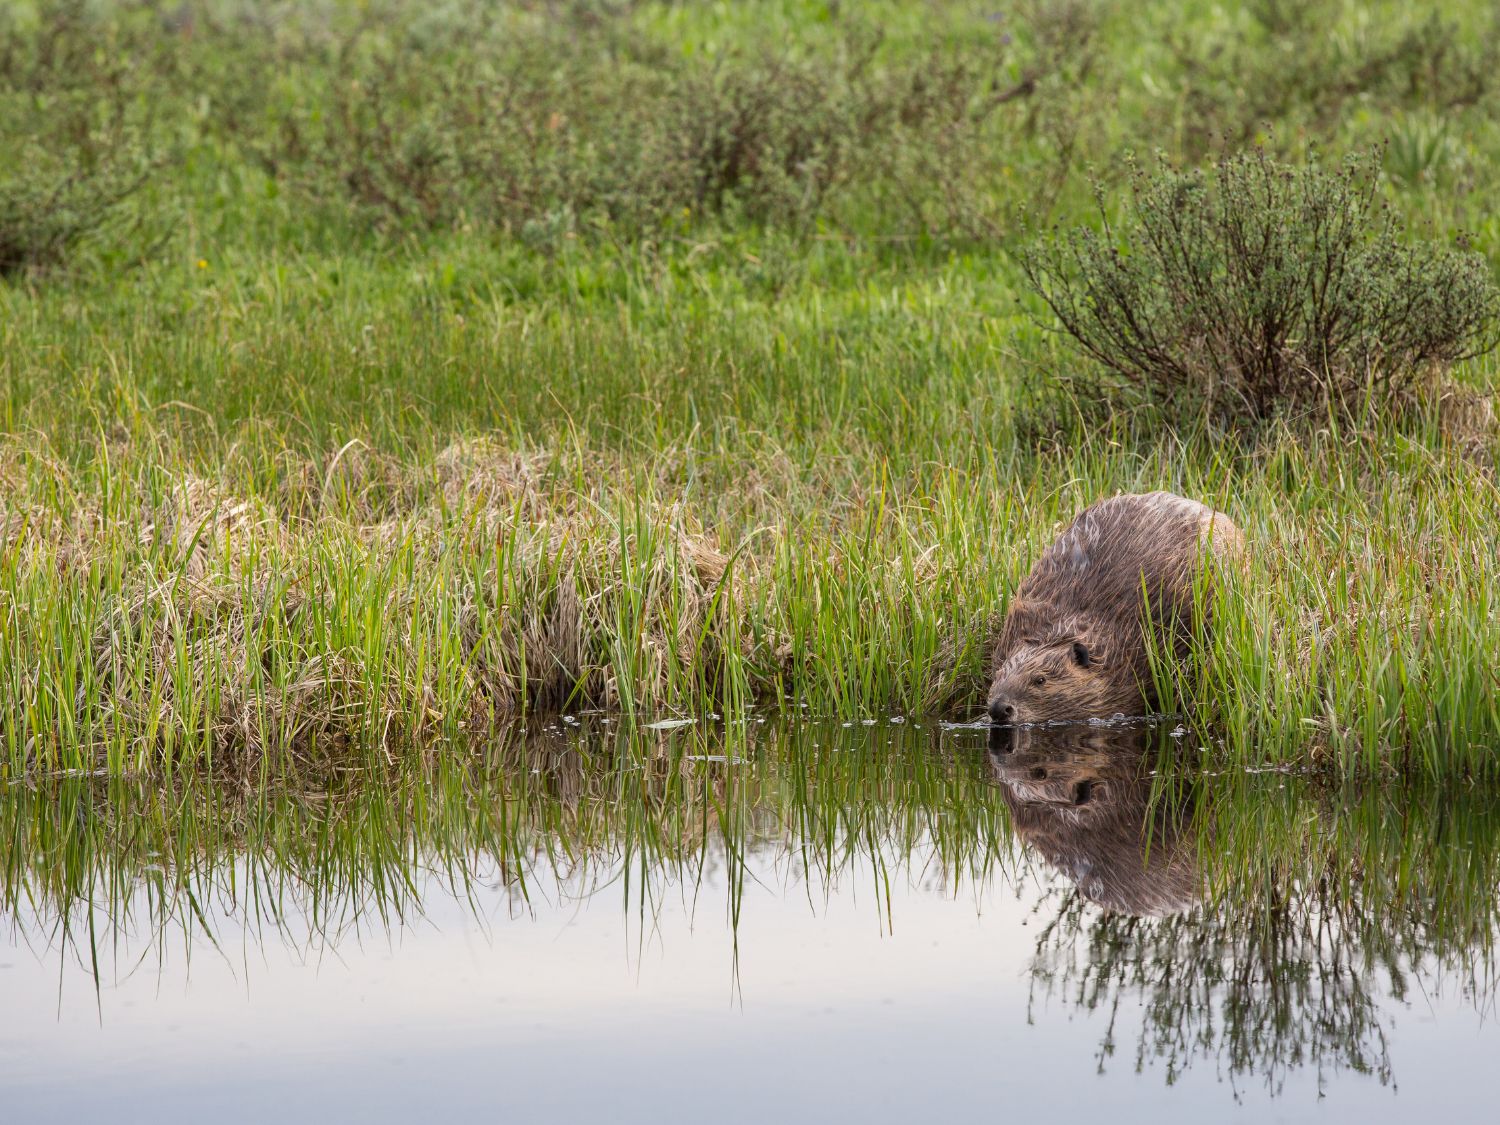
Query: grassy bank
[[325, 436], [162, 618]]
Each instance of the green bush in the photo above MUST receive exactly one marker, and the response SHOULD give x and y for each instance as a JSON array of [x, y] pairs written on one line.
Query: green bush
[[47, 207], [74, 109], [535, 136], [1287, 62], [1255, 287]]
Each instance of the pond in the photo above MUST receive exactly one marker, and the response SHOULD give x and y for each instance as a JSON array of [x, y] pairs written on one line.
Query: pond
[[750, 921]]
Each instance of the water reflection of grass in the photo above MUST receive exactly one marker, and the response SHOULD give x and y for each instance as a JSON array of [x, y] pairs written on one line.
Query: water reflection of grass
[[348, 848], [1288, 912], [1319, 908]]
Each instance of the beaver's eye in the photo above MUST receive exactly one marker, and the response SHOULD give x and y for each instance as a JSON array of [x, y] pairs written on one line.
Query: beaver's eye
[[1080, 654], [1038, 681]]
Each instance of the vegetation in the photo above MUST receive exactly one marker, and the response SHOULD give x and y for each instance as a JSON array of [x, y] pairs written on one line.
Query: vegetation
[[394, 368], [1262, 287]]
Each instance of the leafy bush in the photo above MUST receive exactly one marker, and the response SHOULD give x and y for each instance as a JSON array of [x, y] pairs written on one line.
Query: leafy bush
[[594, 124], [47, 207], [1287, 64], [72, 133], [532, 138], [1255, 287], [537, 122]]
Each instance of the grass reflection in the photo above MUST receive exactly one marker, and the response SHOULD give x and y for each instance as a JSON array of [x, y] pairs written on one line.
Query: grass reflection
[[1256, 923]]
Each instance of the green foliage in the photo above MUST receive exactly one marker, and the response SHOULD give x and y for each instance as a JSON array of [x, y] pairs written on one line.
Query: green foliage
[[1309, 67], [1258, 287], [73, 135], [544, 125], [289, 610], [328, 468], [542, 137]]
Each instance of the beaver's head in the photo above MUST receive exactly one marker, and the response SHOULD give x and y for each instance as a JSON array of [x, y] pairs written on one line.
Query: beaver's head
[[1061, 678]]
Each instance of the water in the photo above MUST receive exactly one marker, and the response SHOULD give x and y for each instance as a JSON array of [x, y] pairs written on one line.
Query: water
[[734, 923]]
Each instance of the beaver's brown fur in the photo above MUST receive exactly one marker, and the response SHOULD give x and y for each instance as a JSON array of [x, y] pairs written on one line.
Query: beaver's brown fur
[[1073, 645], [1081, 797]]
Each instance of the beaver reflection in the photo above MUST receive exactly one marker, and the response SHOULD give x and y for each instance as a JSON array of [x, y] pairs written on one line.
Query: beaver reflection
[[1081, 796]]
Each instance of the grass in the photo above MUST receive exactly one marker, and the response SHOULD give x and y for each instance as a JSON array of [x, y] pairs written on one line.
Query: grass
[[290, 477], [161, 620]]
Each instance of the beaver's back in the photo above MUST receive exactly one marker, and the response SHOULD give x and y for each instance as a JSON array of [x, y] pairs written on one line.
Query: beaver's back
[[1152, 541], [1074, 641]]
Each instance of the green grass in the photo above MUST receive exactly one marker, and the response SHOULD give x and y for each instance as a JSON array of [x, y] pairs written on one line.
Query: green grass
[[287, 476], [159, 618]]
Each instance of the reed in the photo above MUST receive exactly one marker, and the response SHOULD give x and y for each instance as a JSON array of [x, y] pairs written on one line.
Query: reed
[[158, 621]]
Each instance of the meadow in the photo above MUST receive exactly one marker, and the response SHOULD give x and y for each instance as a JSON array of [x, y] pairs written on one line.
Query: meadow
[[373, 374]]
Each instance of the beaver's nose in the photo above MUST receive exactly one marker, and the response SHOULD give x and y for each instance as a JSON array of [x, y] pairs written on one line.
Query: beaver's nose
[[1002, 711]]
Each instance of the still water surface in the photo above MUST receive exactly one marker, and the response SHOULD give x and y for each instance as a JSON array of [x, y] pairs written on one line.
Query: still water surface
[[765, 921]]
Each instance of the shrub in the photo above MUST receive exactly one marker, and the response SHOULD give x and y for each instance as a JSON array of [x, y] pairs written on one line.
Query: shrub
[[46, 207], [597, 126], [1286, 64], [73, 133], [538, 122], [1255, 287]]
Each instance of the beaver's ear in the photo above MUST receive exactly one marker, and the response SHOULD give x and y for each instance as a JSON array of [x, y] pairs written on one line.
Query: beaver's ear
[[1081, 655]]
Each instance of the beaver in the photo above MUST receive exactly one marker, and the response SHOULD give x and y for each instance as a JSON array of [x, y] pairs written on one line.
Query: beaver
[[1074, 643], [1082, 798]]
